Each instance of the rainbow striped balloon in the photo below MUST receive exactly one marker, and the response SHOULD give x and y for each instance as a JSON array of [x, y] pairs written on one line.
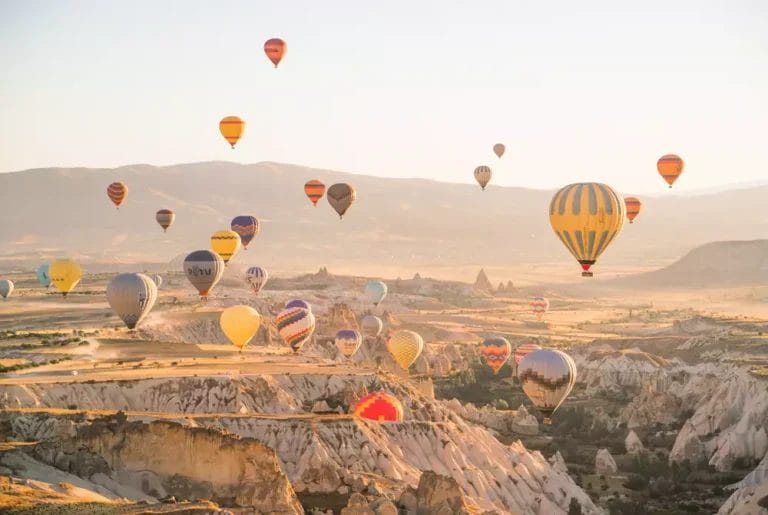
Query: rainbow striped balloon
[[295, 326], [496, 352], [523, 350], [379, 406]]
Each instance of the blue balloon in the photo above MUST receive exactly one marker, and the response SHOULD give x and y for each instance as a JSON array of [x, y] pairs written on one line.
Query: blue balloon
[[42, 275], [298, 303]]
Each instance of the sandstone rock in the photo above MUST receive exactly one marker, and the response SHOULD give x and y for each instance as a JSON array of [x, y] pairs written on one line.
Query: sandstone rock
[[633, 444], [321, 407], [604, 463], [558, 463], [524, 423], [357, 505], [439, 494]]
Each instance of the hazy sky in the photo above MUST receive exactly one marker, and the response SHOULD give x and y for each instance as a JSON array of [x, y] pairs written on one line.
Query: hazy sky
[[577, 90]]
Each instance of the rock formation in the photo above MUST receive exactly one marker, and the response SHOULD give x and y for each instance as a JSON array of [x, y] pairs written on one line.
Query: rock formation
[[633, 444], [604, 463], [482, 283], [558, 463]]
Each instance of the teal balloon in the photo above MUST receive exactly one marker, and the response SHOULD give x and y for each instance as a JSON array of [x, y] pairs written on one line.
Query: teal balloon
[[375, 291], [42, 275]]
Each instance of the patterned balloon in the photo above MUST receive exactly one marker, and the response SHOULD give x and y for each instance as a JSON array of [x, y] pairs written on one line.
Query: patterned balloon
[[375, 291], [314, 190], [539, 306], [298, 303], [483, 175], [226, 244], [405, 346], [340, 197], [131, 296], [496, 352], [670, 167], [633, 208], [523, 350], [165, 218], [257, 277], [295, 326], [547, 377], [247, 227], [348, 341], [117, 191], [371, 325], [379, 406], [42, 275], [6, 288], [204, 269]]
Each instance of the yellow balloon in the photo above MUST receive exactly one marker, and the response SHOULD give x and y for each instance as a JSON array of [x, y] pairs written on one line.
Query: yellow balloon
[[586, 217], [240, 324], [226, 244], [65, 274], [405, 346]]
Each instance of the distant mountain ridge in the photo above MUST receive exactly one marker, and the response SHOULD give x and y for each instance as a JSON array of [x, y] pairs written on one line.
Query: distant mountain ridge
[[409, 222]]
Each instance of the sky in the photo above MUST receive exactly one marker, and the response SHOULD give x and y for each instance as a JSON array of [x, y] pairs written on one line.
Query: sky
[[588, 90]]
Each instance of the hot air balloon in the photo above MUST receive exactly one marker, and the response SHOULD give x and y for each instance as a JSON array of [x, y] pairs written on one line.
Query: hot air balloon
[[483, 175], [633, 208], [165, 218], [295, 326], [380, 407], [42, 275], [247, 227], [539, 306], [117, 191], [586, 217], [340, 197], [240, 324], [405, 346], [547, 377], [314, 190], [298, 303], [65, 274], [275, 49], [523, 350], [371, 325], [257, 277], [131, 296], [496, 352], [375, 291], [348, 341], [499, 149], [232, 128], [158, 279], [6, 288], [204, 269], [226, 244], [670, 167]]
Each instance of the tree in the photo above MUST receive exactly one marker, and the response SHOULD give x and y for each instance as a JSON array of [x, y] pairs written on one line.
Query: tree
[[574, 508]]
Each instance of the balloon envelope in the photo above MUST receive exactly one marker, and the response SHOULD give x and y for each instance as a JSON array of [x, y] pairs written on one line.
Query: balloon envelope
[[371, 325], [117, 191], [226, 244], [257, 277], [348, 341], [496, 352], [523, 350], [65, 274], [375, 291], [295, 326], [247, 227], [232, 128], [539, 306], [203, 269], [670, 167], [275, 48], [499, 149], [240, 324], [340, 197], [547, 377], [633, 206], [586, 217], [298, 303], [165, 218], [314, 190], [158, 279], [405, 346], [42, 275], [6, 288], [483, 175], [131, 296], [379, 406]]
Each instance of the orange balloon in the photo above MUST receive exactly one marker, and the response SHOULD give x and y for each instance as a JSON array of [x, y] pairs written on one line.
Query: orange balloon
[[117, 192], [231, 127], [275, 49], [633, 207], [670, 167], [314, 190]]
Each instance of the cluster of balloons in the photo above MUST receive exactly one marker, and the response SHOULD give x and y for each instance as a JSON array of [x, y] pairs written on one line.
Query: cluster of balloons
[[340, 196], [483, 173]]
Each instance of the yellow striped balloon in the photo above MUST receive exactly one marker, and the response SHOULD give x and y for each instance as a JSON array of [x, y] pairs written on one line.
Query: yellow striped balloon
[[226, 244], [405, 346], [586, 216], [232, 128]]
